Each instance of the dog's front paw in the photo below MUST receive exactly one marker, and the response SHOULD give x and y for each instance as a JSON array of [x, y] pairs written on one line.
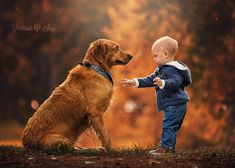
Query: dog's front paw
[[106, 149]]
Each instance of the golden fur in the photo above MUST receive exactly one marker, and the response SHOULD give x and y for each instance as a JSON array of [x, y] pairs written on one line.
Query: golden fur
[[78, 103]]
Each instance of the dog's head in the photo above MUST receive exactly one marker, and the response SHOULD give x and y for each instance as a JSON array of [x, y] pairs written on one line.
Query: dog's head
[[108, 52]]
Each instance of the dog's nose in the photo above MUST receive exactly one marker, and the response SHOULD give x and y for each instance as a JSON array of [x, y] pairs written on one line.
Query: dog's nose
[[129, 56]]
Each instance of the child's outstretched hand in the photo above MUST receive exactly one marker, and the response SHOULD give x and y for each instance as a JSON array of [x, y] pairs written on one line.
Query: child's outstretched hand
[[128, 82]]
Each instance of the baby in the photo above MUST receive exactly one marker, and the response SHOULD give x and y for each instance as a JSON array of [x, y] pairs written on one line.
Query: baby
[[169, 79]]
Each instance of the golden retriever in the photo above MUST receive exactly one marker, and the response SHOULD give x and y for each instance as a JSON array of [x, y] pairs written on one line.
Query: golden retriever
[[78, 103]]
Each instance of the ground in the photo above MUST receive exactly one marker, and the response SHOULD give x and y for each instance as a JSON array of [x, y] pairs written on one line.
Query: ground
[[11, 156]]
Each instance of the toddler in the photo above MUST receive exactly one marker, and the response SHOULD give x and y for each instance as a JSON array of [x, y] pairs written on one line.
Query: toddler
[[169, 79]]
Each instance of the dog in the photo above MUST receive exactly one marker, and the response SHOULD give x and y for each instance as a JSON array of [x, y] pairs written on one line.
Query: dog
[[79, 102]]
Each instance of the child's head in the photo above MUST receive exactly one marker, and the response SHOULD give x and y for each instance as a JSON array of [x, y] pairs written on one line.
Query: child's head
[[164, 50]]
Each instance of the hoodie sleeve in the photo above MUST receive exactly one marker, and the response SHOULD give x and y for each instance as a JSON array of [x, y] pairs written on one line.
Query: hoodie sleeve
[[174, 80], [147, 81]]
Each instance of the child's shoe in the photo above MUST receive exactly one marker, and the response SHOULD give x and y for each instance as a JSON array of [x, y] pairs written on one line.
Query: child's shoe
[[160, 151]]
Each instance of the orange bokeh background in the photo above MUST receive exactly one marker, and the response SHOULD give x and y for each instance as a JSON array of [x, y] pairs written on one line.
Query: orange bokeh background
[[132, 118]]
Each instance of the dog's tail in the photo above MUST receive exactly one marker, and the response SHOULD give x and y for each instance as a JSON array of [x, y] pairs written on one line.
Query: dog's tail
[[42, 121], [30, 134], [33, 131]]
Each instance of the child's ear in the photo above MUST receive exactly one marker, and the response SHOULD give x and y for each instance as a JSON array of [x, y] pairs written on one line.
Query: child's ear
[[166, 53]]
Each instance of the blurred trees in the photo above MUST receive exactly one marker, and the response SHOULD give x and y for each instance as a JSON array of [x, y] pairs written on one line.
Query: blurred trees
[[212, 23], [33, 62]]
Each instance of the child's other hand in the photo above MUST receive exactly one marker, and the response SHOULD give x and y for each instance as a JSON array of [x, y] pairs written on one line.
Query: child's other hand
[[158, 81], [128, 82]]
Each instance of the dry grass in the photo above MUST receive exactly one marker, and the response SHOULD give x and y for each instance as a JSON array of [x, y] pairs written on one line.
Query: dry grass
[[132, 151]]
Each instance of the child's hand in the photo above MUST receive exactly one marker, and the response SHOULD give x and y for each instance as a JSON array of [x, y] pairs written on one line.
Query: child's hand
[[158, 81], [128, 82]]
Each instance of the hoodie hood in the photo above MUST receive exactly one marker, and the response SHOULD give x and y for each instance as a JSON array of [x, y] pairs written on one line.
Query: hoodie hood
[[184, 70]]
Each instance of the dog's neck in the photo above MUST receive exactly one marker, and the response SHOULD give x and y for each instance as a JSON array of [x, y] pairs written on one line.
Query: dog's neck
[[92, 61]]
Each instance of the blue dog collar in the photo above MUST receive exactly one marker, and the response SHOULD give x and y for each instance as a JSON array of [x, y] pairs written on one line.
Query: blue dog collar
[[99, 70]]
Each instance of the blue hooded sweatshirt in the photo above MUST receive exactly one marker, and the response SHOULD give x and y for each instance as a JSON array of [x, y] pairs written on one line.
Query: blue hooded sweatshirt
[[176, 76]]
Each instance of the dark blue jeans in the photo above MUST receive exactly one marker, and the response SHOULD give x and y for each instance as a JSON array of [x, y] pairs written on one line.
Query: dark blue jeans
[[173, 119]]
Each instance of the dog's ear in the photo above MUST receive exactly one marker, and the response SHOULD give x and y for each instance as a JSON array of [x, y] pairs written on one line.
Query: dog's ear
[[98, 48]]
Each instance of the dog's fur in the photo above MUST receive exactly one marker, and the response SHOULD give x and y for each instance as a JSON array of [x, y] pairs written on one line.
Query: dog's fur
[[78, 103]]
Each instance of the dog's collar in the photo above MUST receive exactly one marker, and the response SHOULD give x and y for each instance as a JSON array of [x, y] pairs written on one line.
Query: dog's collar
[[99, 70]]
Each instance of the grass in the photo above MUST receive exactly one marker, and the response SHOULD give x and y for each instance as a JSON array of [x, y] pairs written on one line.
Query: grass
[[134, 151], [204, 150]]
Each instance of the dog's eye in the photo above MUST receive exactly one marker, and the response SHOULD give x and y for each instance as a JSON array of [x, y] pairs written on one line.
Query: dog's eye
[[116, 48]]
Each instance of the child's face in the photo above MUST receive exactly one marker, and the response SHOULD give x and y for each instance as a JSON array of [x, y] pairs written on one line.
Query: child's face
[[160, 56]]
